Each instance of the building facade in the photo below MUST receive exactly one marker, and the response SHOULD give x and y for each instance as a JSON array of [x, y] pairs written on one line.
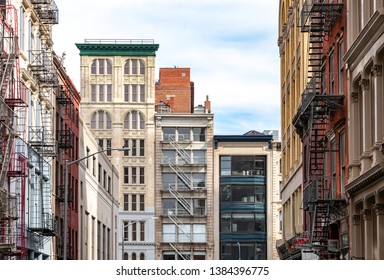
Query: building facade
[[247, 196], [321, 123], [293, 45], [365, 188], [98, 206], [184, 184], [175, 88], [29, 86], [118, 106]]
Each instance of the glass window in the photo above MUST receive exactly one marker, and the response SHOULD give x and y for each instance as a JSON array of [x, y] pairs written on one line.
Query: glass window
[[169, 133], [168, 179], [184, 134], [198, 156], [198, 134], [199, 233], [169, 233], [225, 166], [169, 156]]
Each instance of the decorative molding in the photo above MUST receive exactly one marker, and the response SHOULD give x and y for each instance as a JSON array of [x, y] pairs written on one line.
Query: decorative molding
[[366, 214], [356, 219], [364, 84], [376, 70], [354, 97], [379, 209]]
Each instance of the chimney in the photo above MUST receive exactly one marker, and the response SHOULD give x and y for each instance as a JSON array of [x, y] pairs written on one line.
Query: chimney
[[207, 105]]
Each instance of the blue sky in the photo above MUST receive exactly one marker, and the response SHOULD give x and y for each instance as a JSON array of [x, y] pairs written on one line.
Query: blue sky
[[229, 45]]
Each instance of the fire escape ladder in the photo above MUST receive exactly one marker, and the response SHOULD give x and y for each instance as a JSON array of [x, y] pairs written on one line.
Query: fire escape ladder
[[186, 157], [320, 224], [65, 136], [180, 233], [181, 174], [179, 197]]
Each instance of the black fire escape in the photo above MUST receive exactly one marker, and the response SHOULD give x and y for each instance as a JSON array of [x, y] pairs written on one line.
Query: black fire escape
[[312, 122]]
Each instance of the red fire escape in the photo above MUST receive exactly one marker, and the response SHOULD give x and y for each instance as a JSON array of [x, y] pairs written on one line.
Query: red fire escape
[[13, 157], [312, 122]]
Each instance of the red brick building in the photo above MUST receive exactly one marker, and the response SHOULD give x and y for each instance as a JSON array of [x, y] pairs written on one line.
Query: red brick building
[[175, 89]]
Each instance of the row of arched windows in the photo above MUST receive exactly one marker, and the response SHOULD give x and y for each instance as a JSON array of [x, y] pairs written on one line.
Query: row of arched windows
[[104, 67], [133, 120], [135, 256]]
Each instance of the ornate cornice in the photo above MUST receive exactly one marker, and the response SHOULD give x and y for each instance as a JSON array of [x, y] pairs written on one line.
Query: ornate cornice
[[87, 49], [365, 180]]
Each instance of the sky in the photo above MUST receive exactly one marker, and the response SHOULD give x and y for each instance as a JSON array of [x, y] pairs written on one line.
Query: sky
[[230, 47]]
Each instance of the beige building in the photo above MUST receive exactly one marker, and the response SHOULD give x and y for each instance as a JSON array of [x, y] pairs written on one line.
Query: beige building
[[184, 184], [365, 188], [247, 202], [117, 89], [98, 201], [293, 78]]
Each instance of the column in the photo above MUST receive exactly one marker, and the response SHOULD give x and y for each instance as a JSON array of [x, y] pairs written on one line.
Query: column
[[354, 135], [367, 125], [367, 217], [379, 211], [356, 246], [378, 109]]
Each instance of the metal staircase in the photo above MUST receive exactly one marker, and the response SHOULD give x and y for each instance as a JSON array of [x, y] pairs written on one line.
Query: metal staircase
[[312, 120]]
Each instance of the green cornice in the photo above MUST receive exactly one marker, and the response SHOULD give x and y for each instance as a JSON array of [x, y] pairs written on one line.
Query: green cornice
[[87, 49]]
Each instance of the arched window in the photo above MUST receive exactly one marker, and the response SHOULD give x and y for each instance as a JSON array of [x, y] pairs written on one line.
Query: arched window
[[134, 67], [101, 120], [101, 67], [134, 256], [142, 256], [125, 256], [134, 120]]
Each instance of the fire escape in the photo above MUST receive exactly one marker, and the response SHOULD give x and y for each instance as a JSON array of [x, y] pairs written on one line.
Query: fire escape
[[312, 124], [41, 139], [66, 145], [13, 158], [184, 193]]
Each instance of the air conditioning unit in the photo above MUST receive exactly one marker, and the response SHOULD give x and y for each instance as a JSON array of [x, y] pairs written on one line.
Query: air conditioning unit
[[333, 245]]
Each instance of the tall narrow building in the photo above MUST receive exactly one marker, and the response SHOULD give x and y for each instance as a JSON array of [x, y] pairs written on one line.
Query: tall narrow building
[[247, 180], [365, 188], [118, 106], [293, 46], [184, 191]]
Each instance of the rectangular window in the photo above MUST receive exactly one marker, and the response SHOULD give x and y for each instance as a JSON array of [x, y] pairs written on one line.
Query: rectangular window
[[333, 167], [109, 93], [134, 148], [93, 93], [126, 93], [341, 67], [134, 231], [141, 142], [99, 173], [184, 134], [142, 175], [169, 133], [342, 162], [126, 144], [142, 93], [142, 231], [134, 203], [134, 93], [126, 225], [126, 202], [142, 202], [126, 175], [101, 93], [331, 73], [198, 134], [108, 146], [134, 175]]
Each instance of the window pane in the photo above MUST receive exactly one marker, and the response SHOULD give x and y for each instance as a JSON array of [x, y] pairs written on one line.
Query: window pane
[[109, 93], [198, 134], [142, 67], [134, 66], [93, 67], [134, 93], [169, 133], [101, 66], [184, 134], [142, 93], [134, 120], [126, 67], [109, 67]]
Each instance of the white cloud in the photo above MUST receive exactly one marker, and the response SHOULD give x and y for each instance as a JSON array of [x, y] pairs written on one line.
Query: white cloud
[[230, 46]]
